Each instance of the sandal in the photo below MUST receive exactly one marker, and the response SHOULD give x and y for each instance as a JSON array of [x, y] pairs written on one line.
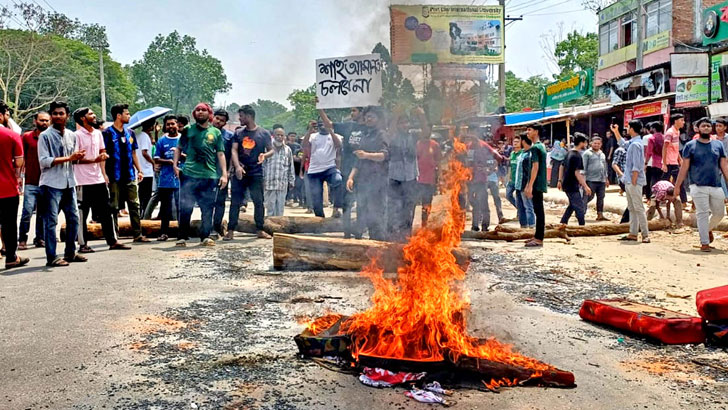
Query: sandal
[[119, 246], [705, 248], [628, 238], [163, 238], [18, 262], [76, 258], [534, 244], [57, 262], [646, 240], [86, 249]]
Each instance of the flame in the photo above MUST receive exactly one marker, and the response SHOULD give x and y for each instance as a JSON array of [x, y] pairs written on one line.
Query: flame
[[494, 384], [324, 322], [421, 315]]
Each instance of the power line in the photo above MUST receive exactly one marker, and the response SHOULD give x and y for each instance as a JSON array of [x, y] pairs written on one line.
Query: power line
[[49, 5], [547, 7]]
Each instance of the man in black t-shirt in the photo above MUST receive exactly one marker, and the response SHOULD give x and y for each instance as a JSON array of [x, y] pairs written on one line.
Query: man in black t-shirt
[[295, 194], [572, 181]]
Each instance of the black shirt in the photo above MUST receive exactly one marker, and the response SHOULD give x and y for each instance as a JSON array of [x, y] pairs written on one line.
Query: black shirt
[[250, 145], [351, 133], [573, 163], [372, 171]]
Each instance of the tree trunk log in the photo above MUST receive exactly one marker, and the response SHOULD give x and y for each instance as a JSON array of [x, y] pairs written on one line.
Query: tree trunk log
[[292, 224], [509, 234], [325, 253], [151, 229], [497, 371]]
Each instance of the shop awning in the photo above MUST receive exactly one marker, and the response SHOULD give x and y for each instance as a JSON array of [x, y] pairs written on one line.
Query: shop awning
[[529, 116], [576, 113]]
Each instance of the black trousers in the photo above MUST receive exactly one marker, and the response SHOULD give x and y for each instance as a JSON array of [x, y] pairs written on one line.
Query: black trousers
[[95, 198], [598, 190], [219, 212], [254, 185], [576, 205], [401, 202], [540, 215], [9, 223], [555, 166], [653, 175], [145, 192], [169, 200]]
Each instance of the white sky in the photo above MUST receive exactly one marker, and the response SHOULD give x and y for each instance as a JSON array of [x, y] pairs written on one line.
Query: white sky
[[267, 48]]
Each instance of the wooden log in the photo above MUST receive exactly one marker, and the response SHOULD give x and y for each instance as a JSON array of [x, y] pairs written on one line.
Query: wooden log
[[491, 370], [326, 253], [291, 224], [150, 228], [503, 233]]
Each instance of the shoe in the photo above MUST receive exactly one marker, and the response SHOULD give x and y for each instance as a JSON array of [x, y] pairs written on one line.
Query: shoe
[[85, 249], [162, 238], [474, 228], [309, 211], [336, 214], [705, 248], [263, 235], [215, 236], [229, 236], [484, 228], [181, 243], [39, 243], [22, 246], [76, 258], [141, 239], [208, 242], [119, 246], [18, 262]]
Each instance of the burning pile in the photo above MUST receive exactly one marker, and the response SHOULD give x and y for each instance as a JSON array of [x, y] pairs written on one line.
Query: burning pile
[[418, 322]]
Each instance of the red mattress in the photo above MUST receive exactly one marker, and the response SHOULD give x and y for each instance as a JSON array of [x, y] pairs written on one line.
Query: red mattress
[[713, 303], [652, 322]]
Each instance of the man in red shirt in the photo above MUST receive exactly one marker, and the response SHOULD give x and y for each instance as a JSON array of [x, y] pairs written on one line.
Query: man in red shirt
[[428, 159], [11, 161], [32, 192]]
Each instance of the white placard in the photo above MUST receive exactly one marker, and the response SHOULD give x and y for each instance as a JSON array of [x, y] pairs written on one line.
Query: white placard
[[344, 82]]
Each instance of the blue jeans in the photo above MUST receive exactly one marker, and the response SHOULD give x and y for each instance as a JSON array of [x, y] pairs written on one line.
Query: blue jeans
[[333, 178], [526, 215], [511, 194], [57, 200], [576, 205], [32, 198], [203, 192]]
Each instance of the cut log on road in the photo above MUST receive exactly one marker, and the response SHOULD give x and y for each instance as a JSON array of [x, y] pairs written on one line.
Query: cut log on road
[[291, 224], [151, 229], [522, 375], [503, 233], [325, 253]]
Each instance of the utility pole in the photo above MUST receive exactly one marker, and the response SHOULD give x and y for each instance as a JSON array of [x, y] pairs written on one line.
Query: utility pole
[[103, 86], [640, 27], [502, 66]]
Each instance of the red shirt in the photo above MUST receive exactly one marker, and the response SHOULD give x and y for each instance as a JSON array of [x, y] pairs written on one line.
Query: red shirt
[[32, 167], [10, 148], [428, 156]]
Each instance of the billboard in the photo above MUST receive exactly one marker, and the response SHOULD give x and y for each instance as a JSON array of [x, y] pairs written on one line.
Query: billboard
[[575, 86], [691, 92], [460, 71], [447, 34]]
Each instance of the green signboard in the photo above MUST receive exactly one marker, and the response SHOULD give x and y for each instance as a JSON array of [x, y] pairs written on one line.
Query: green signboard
[[570, 88], [715, 24], [691, 92], [617, 9]]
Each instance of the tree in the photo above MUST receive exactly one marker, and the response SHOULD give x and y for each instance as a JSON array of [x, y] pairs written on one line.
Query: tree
[[174, 73], [265, 109], [232, 110], [522, 94], [396, 89], [577, 52], [304, 106]]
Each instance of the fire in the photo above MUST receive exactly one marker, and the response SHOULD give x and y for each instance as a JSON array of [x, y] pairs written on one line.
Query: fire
[[324, 322], [422, 315], [494, 384]]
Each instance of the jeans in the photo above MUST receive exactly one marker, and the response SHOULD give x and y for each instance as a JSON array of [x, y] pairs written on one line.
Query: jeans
[[427, 191], [540, 215], [254, 185], [511, 194], [307, 192], [9, 223], [32, 200], [672, 172], [576, 205], [478, 196], [333, 178], [637, 216], [709, 209], [219, 211], [370, 209], [526, 216], [201, 191], [154, 201], [495, 193], [598, 190], [275, 202], [401, 203], [57, 200], [126, 192], [145, 192], [555, 166], [95, 197], [168, 197]]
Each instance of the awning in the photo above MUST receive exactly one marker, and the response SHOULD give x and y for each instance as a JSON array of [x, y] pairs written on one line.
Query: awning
[[567, 115], [529, 116], [718, 110]]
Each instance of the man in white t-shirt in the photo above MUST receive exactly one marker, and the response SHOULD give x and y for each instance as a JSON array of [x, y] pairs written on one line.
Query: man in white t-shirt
[[323, 146], [144, 156]]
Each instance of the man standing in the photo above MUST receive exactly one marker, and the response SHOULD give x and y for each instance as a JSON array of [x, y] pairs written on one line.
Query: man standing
[[295, 194], [251, 147], [56, 153], [572, 181], [558, 155], [32, 198], [11, 161], [536, 186], [596, 174], [204, 171], [481, 159], [168, 182], [323, 146], [721, 126], [91, 189], [705, 160], [428, 162], [145, 160], [280, 176], [634, 180], [653, 155], [219, 120], [671, 153], [120, 144]]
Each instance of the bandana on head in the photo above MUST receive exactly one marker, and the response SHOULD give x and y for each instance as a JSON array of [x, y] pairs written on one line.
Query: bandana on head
[[205, 106]]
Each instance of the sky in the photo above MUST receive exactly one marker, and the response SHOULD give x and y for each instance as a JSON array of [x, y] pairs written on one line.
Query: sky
[[269, 47]]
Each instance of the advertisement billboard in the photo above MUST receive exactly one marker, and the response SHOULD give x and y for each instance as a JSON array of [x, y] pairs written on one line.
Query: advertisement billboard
[[447, 34]]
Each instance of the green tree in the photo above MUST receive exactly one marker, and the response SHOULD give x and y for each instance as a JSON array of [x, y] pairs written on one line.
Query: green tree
[[174, 73], [265, 109], [232, 110], [396, 89], [304, 106], [521, 93], [577, 52]]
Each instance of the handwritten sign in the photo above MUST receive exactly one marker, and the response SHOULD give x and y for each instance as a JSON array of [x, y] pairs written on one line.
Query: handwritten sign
[[345, 82]]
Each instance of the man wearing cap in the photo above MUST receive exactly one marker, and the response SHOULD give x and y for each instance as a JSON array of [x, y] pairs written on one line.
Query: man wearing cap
[[205, 150], [704, 159]]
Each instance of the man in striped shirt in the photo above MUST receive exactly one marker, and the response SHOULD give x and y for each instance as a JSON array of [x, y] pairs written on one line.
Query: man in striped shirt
[[279, 174]]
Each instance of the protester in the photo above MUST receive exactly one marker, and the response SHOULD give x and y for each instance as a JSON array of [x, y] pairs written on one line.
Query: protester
[[11, 161], [146, 162], [32, 199], [609, 147], [558, 155], [402, 193], [513, 165], [121, 165], [498, 175], [279, 174], [704, 160], [572, 181], [295, 195], [671, 159], [536, 187], [91, 189], [204, 171], [596, 175], [721, 126], [526, 216], [653, 155], [251, 146], [369, 176], [56, 153], [323, 146], [664, 191], [428, 160], [219, 120], [351, 132], [634, 180], [168, 181], [481, 159]]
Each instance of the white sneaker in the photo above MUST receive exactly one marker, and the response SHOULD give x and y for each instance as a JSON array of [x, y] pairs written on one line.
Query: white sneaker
[[208, 242], [181, 243]]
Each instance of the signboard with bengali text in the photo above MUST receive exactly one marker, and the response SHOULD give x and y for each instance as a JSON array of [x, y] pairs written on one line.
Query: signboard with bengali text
[[345, 82], [573, 87]]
